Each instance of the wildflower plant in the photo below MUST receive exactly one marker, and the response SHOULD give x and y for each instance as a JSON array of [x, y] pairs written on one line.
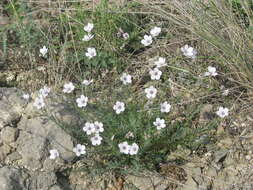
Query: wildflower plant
[[118, 129], [124, 123], [124, 128]]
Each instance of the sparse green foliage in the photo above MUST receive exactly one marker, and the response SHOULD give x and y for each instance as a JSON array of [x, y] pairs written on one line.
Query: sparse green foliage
[[155, 145]]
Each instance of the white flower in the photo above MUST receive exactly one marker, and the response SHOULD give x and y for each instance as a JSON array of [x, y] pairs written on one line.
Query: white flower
[[44, 91], [89, 128], [222, 112], [189, 51], [151, 92], [26, 96], [87, 82], [125, 36], [82, 101], [43, 51], [39, 102], [155, 31], [126, 79], [211, 71], [53, 154], [91, 52], [225, 92], [160, 62], [68, 87], [96, 140], [87, 37], [159, 123], [165, 107], [147, 40], [155, 74], [133, 149], [98, 127], [124, 147], [88, 28], [79, 149], [119, 107]]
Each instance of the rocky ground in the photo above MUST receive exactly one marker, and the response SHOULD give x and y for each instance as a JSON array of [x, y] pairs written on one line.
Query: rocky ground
[[26, 138]]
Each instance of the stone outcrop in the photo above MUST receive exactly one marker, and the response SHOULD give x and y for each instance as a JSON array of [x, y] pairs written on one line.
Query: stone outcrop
[[26, 138], [27, 135]]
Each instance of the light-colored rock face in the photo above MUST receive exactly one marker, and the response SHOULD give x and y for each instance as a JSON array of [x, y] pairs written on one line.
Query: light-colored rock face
[[4, 151], [9, 134], [43, 180], [11, 179], [16, 179], [12, 106], [8, 115], [26, 138], [37, 137], [32, 149], [55, 187]]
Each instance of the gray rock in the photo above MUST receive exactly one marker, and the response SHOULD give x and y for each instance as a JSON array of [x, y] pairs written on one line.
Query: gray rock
[[37, 137], [63, 113], [211, 172], [225, 179], [220, 155], [2, 124], [43, 180], [7, 114], [13, 157], [12, 179], [32, 149], [60, 111], [139, 182], [148, 182], [11, 104], [190, 184], [55, 187], [9, 134], [229, 161], [4, 151], [194, 175], [53, 165], [57, 138], [1, 142]]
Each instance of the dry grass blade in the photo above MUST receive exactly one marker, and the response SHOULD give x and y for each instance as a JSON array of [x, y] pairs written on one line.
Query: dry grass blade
[[223, 26]]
